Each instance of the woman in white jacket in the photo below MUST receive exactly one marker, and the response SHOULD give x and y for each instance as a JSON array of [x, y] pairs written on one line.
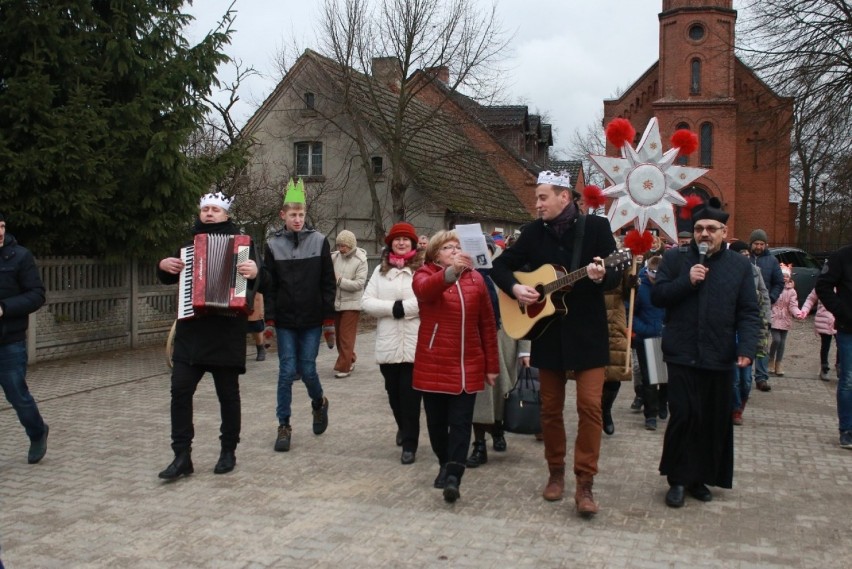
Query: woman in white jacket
[[389, 298], [350, 274]]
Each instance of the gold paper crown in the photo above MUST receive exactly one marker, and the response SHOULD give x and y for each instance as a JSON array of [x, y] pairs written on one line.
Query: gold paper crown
[[295, 192], [561, 179], [217, 199]]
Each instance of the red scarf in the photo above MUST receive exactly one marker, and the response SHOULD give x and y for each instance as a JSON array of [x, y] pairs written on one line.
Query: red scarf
[[399, 261]]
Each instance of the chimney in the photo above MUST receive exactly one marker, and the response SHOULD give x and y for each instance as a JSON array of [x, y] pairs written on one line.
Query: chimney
[[388, 70], [441, 73]]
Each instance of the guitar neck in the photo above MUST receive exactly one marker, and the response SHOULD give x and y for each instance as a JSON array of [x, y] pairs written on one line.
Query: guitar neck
[[567, 280]]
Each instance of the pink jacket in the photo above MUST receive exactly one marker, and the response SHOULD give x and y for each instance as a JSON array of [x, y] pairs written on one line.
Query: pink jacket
[[785, 308], [824, 320]]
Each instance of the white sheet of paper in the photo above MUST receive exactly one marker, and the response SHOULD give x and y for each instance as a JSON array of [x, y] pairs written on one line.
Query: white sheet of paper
[[472, 242]]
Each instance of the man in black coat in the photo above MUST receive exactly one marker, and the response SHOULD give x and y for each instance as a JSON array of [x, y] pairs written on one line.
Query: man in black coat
[[577, 340], [712, 324], [21, 293], [834, 289], [210, 342]]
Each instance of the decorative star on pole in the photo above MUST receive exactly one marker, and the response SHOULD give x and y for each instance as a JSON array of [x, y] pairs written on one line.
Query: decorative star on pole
[[646, 183]]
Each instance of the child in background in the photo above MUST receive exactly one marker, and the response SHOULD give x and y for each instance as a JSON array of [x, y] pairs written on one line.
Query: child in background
[[783, 311], [824, 328]]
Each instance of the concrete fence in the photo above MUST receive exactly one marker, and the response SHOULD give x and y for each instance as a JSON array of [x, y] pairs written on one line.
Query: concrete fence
[[93, 306]]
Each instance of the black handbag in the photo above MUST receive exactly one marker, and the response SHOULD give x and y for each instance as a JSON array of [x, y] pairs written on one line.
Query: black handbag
[[522, 409]]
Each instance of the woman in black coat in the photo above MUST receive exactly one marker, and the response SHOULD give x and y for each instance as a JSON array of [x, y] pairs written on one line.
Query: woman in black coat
[[214, 343]]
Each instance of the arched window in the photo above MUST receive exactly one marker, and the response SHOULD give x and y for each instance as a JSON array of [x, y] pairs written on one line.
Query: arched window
[[705, 137], [695, 77], [683, 159]]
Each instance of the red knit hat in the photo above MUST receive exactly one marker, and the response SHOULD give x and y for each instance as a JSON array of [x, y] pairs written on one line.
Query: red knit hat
[[401, 229]]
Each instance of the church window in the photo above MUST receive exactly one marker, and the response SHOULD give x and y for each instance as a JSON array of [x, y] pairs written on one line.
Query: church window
[[683, 159], [696, 32], [706, 140], [695, 77]]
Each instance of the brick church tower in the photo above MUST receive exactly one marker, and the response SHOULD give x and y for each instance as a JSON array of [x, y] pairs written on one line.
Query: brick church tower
[[743, 127]]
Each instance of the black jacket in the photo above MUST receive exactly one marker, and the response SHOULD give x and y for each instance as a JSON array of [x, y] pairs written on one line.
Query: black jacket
[[580, 339], [21, 290], [834, 287], [302, 285], [709, 325], [212, 339]]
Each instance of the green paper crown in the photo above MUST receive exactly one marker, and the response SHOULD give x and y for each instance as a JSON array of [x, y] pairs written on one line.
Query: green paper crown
[[295, 193]]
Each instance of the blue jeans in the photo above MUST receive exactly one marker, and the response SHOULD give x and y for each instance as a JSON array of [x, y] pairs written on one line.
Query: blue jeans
[[13, 374], [844, 382], [297, 357], [742, 386], [761, 368]]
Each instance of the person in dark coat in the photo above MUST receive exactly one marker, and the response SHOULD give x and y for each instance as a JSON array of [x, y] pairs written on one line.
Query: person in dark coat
[[577, 340], [712, 323], [770, 270], [21, 294], [214, 343], [648, 323], [834, 289]]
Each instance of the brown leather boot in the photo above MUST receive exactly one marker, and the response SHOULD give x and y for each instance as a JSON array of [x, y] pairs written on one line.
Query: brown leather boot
[[555, 485], [779, 371], [583, 497]]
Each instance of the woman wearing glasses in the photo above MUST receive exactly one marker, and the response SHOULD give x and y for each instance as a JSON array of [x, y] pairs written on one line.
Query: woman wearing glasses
[[456, 352]]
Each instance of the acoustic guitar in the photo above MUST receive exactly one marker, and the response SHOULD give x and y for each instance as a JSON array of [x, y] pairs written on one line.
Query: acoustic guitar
[[553, 283]]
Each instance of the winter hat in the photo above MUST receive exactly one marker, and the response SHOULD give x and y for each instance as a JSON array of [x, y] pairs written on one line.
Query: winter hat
[[684, 235], [347, 238], [711, 209], [738, 246], [758, 235], [401, 229]]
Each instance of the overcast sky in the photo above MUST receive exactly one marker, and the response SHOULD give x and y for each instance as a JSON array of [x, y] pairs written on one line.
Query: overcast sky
[[566, 57]]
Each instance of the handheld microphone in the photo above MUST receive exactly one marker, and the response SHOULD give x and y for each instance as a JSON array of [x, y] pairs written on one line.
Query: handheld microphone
[[702, 252]]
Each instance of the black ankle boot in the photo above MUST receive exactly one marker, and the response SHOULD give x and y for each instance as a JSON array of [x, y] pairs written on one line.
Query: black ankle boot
[[227, 462], [180, 466], [454, 475], [479, 455], [499, 442], [607, 399]]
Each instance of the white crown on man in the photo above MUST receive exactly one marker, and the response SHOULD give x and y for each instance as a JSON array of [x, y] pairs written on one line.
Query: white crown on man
[[217, 199], [561, 179]]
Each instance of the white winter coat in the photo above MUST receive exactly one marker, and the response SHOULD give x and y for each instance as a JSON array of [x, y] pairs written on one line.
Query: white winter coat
[[396, 339], [351, 275]]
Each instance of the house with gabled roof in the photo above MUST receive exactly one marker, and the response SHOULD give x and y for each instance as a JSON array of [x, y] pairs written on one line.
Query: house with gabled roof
[[308, 128]]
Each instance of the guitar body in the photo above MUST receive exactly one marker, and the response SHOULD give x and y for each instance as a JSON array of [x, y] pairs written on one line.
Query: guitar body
[[530, 321]]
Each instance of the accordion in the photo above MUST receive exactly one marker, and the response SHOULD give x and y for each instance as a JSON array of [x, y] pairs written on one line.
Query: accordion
[[209, 282]]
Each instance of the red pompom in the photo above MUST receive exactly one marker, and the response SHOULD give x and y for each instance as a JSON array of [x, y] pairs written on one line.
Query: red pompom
[[686, 141], [692, 202], [639, 243], [620, 131], [593, 196]]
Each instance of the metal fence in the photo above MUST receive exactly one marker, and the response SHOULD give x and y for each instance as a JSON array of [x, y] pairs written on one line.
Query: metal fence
[[93, 306]]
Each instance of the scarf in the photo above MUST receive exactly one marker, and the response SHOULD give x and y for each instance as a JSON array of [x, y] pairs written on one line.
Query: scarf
[[563, 222], [399, 261]]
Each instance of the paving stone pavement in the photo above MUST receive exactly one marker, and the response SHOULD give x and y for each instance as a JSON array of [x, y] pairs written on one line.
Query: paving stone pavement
[[344, 500]]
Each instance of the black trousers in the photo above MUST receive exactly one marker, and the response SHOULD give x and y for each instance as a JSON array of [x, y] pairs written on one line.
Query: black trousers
[[185, 380], [449, 419], [404, 402]]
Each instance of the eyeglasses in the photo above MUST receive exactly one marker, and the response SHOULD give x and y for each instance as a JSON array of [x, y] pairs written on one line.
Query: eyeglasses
[[711, 229], [451, 248], [652, 271]]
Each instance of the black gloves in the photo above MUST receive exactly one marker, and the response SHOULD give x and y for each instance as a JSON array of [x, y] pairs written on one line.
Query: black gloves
[[398, 311]]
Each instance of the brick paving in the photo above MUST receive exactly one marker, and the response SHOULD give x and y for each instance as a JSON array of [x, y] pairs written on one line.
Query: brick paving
[[343, 499]]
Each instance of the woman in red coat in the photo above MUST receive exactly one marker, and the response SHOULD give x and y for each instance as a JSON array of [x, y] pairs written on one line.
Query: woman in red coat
[[456, 352]]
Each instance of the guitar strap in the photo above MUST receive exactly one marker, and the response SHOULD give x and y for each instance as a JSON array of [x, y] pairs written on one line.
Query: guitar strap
[[579, 229]]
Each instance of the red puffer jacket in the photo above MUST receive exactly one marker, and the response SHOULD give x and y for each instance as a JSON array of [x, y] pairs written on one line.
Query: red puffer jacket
[[457, 340]]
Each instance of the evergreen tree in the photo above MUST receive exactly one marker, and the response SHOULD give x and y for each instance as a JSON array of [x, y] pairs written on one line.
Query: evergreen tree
[[98, 100]]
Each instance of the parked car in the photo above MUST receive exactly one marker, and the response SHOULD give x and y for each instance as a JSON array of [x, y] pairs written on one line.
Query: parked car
[[805, 268]]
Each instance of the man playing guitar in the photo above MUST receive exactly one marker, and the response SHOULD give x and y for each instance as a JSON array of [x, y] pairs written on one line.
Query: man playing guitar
[[576, 340]]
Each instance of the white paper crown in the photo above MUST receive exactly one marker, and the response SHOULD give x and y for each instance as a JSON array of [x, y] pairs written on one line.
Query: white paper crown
[[217, 199], [561, 179]]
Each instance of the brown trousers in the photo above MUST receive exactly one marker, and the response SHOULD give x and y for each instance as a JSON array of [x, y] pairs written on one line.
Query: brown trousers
[[345, 330], [587, 446]]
